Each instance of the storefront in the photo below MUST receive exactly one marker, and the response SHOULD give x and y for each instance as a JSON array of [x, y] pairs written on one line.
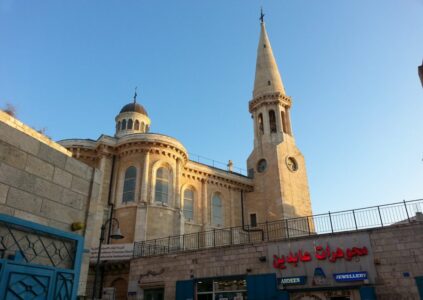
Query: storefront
[[362, 265]]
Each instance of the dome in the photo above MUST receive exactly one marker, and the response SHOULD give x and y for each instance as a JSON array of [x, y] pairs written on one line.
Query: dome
[[134, 107]]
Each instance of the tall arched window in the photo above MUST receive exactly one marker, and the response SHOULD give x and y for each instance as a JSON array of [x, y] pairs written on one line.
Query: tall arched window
[[217, 211], [162, 185], [189, 204], [272, 121], [130, 122], [260, 123], [285, 130], [137, 125], [123, 124], [118, 126], [142, 126], [129, 185]]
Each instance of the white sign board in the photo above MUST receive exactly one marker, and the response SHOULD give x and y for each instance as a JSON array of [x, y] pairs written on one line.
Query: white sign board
[[113, 252]]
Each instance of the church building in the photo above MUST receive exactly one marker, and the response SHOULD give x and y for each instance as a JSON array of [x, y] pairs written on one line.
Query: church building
[[155, 190]]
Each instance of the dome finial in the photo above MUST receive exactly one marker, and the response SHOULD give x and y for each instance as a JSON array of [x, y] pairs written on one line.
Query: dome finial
[[261, 15], [135, 95]]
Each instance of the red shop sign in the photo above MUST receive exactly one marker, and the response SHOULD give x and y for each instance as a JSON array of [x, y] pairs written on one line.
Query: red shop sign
[[320, 253]]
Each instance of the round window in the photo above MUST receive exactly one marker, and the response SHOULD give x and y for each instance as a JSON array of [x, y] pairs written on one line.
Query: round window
[[291, 163], [261, 165]]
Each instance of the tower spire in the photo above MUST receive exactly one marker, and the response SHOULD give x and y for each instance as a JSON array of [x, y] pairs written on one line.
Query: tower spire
[[267, 79]]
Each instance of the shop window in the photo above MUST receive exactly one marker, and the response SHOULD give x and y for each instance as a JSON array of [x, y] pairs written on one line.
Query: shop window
[[260, 123], [154, 294], [130, 123], [253, 220], [189, 204], [217, 211], [137, 125], [129, 185], [272, 121], [231, 288], [123, 124], [162, 185]]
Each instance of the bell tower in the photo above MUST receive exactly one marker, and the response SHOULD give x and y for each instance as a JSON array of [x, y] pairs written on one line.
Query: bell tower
[[276, 164]]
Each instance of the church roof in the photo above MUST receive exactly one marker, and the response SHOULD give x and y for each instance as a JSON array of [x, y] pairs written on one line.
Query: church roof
[[268, 79], [134, 107]]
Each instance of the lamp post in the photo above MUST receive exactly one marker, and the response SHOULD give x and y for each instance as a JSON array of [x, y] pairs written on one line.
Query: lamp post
[[116, 235]]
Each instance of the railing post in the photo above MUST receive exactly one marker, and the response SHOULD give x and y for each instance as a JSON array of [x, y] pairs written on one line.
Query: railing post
[[214, 237], [380, 216], [406, 211], [287, 228], [183, 242], [330, 220], [308, 226], [198, 240], [168, 244], [267, 230], [355, 220], [155, 246], [231, 243]]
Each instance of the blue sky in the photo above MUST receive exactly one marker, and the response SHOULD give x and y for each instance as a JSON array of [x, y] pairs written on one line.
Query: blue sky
[[349, 66]]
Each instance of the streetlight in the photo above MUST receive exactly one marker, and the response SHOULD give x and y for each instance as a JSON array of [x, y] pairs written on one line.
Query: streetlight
[[114, 234]]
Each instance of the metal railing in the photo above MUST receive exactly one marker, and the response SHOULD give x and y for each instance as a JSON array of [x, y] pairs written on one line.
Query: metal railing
[[216, 164], [331, 222]]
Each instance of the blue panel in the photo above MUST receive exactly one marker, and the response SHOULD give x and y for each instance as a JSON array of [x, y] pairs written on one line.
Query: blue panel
[[185, 290], [261, 287], [64, 286], [419, 282], [19, 279], [367, 293], [282, 295], [25, 282]]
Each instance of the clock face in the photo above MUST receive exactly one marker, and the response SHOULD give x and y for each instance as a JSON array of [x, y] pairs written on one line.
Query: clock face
[[261, 165], [291, 163]]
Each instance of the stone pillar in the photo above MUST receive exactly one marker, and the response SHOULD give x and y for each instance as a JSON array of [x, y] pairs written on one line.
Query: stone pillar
[[204, 200], [144, 181], [177, 188], [232, 210], [140, 231]]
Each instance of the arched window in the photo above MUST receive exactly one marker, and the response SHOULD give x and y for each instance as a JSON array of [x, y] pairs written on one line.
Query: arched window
[[142, 126], [118, 126], [162, 185], [272, 121], [283, 122], [129, 185], [189, 204], [260, 123], [137, 125], [123, 124], [217, 217], [130, 122]]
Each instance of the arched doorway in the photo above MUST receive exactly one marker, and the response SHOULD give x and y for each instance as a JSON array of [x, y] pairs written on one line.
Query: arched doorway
[[121, 288]]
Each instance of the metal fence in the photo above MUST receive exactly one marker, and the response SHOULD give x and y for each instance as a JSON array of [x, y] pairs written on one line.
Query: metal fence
[[331, 222]]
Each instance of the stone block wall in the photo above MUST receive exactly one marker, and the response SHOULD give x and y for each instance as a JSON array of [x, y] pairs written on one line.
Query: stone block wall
[[398, 253], [42, 183]]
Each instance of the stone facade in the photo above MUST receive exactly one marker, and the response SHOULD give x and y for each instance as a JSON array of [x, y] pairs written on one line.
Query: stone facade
[[198, 197], [393, 261], [42, 183]]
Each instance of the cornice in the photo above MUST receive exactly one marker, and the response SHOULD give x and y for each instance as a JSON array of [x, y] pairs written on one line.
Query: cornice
[[266, 99]]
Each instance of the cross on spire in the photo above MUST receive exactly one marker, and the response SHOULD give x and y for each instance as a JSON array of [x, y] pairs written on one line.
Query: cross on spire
[[135, 95], [261, 15]]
